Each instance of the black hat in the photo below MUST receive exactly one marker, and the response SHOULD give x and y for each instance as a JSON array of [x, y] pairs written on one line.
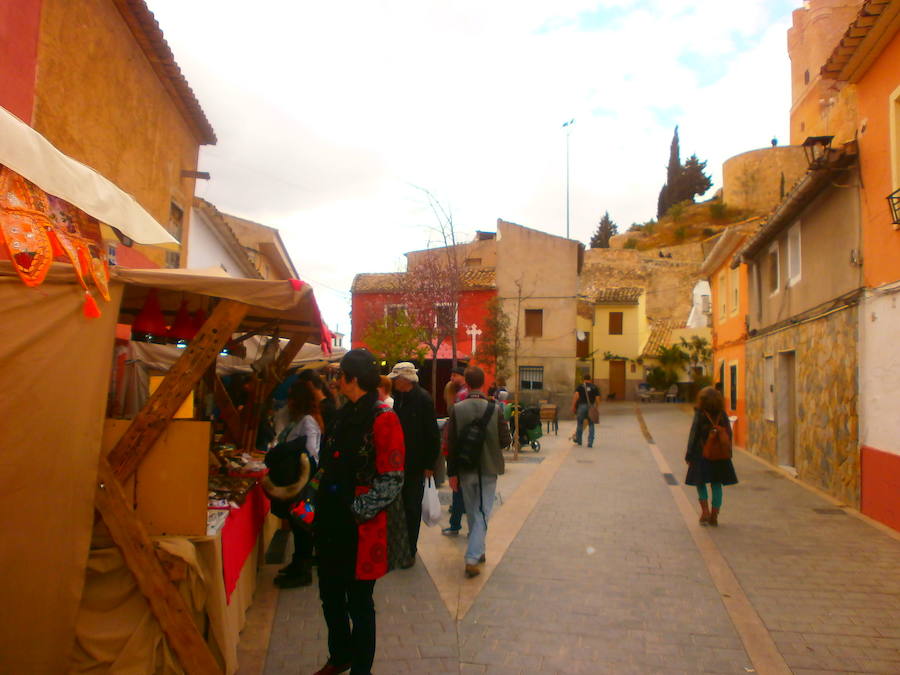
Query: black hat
[[358, 363], [458, 370]]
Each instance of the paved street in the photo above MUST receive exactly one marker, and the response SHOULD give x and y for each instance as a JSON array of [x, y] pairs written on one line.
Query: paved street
[[594, 567]]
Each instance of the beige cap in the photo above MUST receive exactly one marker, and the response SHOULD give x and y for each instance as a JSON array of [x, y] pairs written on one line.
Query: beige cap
[[406, 370]]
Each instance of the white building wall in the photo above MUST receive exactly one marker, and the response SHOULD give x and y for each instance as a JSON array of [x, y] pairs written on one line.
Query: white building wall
[[879, 369], [206, 250], [698, 318]]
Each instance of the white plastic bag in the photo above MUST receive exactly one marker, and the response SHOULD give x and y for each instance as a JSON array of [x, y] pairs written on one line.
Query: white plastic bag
[[431, 504]]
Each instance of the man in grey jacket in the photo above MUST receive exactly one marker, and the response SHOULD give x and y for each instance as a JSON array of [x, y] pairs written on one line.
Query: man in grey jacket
[[478, 485]]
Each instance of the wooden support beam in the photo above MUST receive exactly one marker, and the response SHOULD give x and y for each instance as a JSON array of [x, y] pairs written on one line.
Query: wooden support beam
[[165, 601], [283, 362], [154, 417], [227, 411]]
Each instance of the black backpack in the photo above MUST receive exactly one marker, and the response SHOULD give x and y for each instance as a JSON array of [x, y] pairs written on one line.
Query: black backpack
[[470, 441]]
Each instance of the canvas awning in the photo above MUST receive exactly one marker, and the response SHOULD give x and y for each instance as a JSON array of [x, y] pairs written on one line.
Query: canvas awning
[[31, 155]]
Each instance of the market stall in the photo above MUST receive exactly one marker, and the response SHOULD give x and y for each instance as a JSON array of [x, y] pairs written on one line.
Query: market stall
[[110, 558], [57, 365]]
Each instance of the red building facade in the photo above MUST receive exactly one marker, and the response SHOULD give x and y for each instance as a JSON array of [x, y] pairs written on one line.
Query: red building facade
[[375, 294]]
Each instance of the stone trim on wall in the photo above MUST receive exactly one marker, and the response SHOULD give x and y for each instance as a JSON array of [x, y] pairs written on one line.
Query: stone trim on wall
[[826, 434]]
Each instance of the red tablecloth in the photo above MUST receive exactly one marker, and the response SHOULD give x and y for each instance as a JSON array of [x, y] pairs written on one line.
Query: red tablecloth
[[240, 534]]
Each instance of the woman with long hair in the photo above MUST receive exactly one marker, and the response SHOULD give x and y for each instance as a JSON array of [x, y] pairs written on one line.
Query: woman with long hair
[[324, 395], [709, 411], [301, 435]]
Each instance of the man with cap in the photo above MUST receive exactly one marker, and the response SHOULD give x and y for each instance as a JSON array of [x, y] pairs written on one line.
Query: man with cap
[[454, 390], [422, 439], [362, 475]]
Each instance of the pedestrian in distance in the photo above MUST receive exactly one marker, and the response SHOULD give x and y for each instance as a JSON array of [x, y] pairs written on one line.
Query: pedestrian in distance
[[359, 518], [478, 483], [300, 427], [584, 398], [709, 411], [422, 439], [454, 391]]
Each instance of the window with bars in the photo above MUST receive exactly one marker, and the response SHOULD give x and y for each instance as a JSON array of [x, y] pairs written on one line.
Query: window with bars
[[445, 316], [534, 323], [615, 323], [394, 310], [176, 221], [531, 377]]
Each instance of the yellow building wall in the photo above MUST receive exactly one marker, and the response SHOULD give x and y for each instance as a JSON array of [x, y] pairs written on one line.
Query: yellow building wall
[[98, 99], [635, 331]]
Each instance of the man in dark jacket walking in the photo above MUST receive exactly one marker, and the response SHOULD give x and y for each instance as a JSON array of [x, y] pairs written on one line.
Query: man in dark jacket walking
[[422, 439]]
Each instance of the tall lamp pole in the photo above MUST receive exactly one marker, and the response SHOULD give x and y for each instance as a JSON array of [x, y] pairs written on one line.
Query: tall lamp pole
[[568, 127]]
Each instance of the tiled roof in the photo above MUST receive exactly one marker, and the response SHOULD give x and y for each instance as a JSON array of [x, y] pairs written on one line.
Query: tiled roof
[[474, 278], [660, 331], [844, 59], [624, 295], [147, 34]]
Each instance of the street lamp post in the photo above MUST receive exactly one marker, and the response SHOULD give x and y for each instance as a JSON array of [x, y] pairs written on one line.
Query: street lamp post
[[568, 127]]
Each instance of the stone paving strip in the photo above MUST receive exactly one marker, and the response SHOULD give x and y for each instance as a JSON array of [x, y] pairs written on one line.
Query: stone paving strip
[[594, 567], [826, 584]]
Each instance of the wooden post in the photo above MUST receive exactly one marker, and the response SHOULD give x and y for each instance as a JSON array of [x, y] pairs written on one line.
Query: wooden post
[[155, 416], [228, 412], [168, 606], [263, 389]]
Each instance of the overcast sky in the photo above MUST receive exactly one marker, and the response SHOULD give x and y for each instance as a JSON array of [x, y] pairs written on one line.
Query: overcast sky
[[329, 114]]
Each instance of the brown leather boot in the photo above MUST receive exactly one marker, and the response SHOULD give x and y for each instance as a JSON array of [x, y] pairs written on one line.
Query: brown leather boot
[[714, 517], [704, 511]]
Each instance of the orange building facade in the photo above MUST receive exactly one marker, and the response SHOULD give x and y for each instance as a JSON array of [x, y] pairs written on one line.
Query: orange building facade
[[865, 63], [729, 294]]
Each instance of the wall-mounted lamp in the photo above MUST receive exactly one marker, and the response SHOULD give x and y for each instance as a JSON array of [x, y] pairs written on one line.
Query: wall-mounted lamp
[[816, 150]]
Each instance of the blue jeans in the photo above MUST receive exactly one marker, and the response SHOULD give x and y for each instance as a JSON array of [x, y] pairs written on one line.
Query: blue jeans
[[457, 509], [478, 494], [580, 416]]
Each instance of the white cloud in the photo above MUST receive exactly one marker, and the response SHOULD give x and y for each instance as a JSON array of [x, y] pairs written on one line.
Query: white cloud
[[327, 113]]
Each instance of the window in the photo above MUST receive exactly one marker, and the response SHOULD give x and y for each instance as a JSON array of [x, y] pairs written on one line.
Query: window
[[735, 289], [721, 376], [583, 347], [806, 76], [615, 323], [774, 268], [793, 255], [769, 384], [531, 377], [473, 262], [445, 316], [705, 305], [176, 221], [732, 386], [394, 310], [173, 259], [722, 296], [534, 322]]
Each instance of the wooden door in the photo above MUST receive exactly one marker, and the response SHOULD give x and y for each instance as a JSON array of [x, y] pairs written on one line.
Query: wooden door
[[617, 380]]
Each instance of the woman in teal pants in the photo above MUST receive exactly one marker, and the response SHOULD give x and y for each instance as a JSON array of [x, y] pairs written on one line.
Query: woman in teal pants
[[710, 406]]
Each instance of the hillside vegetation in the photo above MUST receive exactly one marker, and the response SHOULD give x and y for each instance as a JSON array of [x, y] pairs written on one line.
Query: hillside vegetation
[[684, 223]]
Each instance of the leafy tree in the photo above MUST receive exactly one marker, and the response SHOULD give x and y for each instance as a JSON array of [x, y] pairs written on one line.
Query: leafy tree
[[683, 182], [493, 347], [606, 229], [672, 359], [693, 181], [395, 338], [698, 352]]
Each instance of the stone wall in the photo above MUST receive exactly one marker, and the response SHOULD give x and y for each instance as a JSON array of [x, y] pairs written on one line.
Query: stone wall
[[753, 180], [826, 434]]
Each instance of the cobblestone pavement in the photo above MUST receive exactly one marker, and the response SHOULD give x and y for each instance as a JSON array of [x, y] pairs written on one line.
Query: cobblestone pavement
[[602, 575]]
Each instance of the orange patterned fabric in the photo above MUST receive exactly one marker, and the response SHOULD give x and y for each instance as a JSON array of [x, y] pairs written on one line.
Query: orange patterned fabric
[[38, 228]]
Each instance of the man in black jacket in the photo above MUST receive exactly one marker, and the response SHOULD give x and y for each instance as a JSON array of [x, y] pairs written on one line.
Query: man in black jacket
[[415, 409]]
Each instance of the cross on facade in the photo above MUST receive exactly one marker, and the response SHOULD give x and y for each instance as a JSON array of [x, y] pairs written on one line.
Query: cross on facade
[[474, 331]]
